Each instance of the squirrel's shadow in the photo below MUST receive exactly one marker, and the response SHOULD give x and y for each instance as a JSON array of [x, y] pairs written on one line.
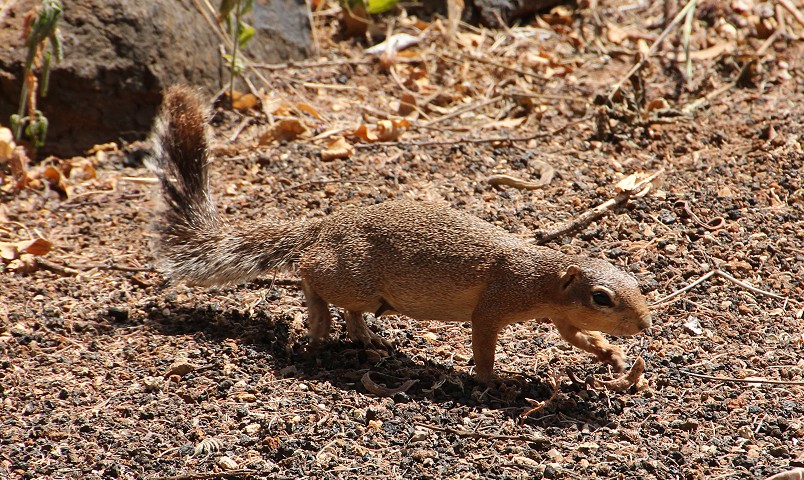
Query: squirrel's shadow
[[270, 342]]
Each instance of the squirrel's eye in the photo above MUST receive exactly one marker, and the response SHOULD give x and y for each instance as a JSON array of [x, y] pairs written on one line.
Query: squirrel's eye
[[603, 299]]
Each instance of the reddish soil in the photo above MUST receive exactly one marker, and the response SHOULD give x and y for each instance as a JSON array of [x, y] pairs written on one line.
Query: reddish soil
[[107, 371]]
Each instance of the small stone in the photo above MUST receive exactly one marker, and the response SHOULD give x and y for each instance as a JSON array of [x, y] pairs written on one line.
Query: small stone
[[180, 367], [252, 428], [419, 435], [551, 470], [554, 455], [227, 463]]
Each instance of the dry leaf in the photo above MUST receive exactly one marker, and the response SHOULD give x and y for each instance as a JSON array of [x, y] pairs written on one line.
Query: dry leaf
[[390, 46], [309, 110], [283, 130], [6, 145], [384, 131], [707, 53], [81, 170], [244, 101], [18, 163], [503, 124], [103, 147], [559, 15], [23, 265], [658, 104], [13, 250], [56, 180], [391, 130], [336, 149], [407, 105]]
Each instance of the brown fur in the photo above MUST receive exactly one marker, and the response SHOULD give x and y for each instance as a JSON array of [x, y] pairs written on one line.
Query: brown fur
[[419, 259]]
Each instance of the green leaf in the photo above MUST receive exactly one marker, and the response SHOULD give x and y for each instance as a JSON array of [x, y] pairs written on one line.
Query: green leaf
[[246, 33], [379, 6]]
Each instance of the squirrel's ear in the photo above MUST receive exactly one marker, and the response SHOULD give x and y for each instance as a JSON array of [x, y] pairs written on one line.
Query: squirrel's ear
[[569, 276]]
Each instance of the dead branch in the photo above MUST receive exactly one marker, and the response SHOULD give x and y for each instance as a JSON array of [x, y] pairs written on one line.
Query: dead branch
[[109, 266], [490, 436], [463, 110], [62, 270], [741, 380], [494, 64], [790, 7], [376, 389], [474, 140], [619, 384], [213, 475], [539, 406], [584, 219], [510, 181], [310, 65], [719, 273]]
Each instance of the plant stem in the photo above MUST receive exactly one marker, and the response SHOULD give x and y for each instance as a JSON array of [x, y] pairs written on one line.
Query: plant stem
[[235, 45]]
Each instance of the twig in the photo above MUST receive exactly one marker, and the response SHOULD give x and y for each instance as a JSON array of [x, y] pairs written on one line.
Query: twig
[[539, 406], [741, 380], [320, 182], [111, 267], [474, 140], [719, 273], [510, 181], [687, 288], [681, 14], [305, 65], [790, 7], [211, 475], [490, 436], [463, 110], [248, 121], [55, 267], [584, 219], [494, 64]]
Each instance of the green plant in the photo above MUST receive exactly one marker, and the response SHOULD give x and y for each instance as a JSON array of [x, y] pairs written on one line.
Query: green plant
[[43, 41], [232, 12]]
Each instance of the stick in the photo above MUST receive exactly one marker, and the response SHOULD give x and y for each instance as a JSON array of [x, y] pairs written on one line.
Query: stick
[[490, 436], [741, 380], [539, 406], [719, 273], [593, 214], [495, 64], [463, 110], [510, 181], [473, 140], [109, 267], [681, 14], [212, 475], [790, 7], [305, 65]]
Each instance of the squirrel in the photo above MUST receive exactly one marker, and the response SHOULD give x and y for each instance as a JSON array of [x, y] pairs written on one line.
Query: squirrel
[[420, 259]]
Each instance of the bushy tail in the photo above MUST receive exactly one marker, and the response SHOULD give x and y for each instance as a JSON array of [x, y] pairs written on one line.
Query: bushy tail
[[194, 242]]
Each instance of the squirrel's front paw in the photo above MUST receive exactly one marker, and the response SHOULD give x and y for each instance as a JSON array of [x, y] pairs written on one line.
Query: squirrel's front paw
[[615, 357]]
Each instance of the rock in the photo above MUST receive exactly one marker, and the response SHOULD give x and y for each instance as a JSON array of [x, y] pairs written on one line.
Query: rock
[[119, 56]]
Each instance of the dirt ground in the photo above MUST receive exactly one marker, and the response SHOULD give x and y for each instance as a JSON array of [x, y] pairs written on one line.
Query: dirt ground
[[107, 371]]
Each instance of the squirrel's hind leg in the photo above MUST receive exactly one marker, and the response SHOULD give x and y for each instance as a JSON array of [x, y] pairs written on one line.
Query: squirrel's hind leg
[[358, 331], [319, 322]]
